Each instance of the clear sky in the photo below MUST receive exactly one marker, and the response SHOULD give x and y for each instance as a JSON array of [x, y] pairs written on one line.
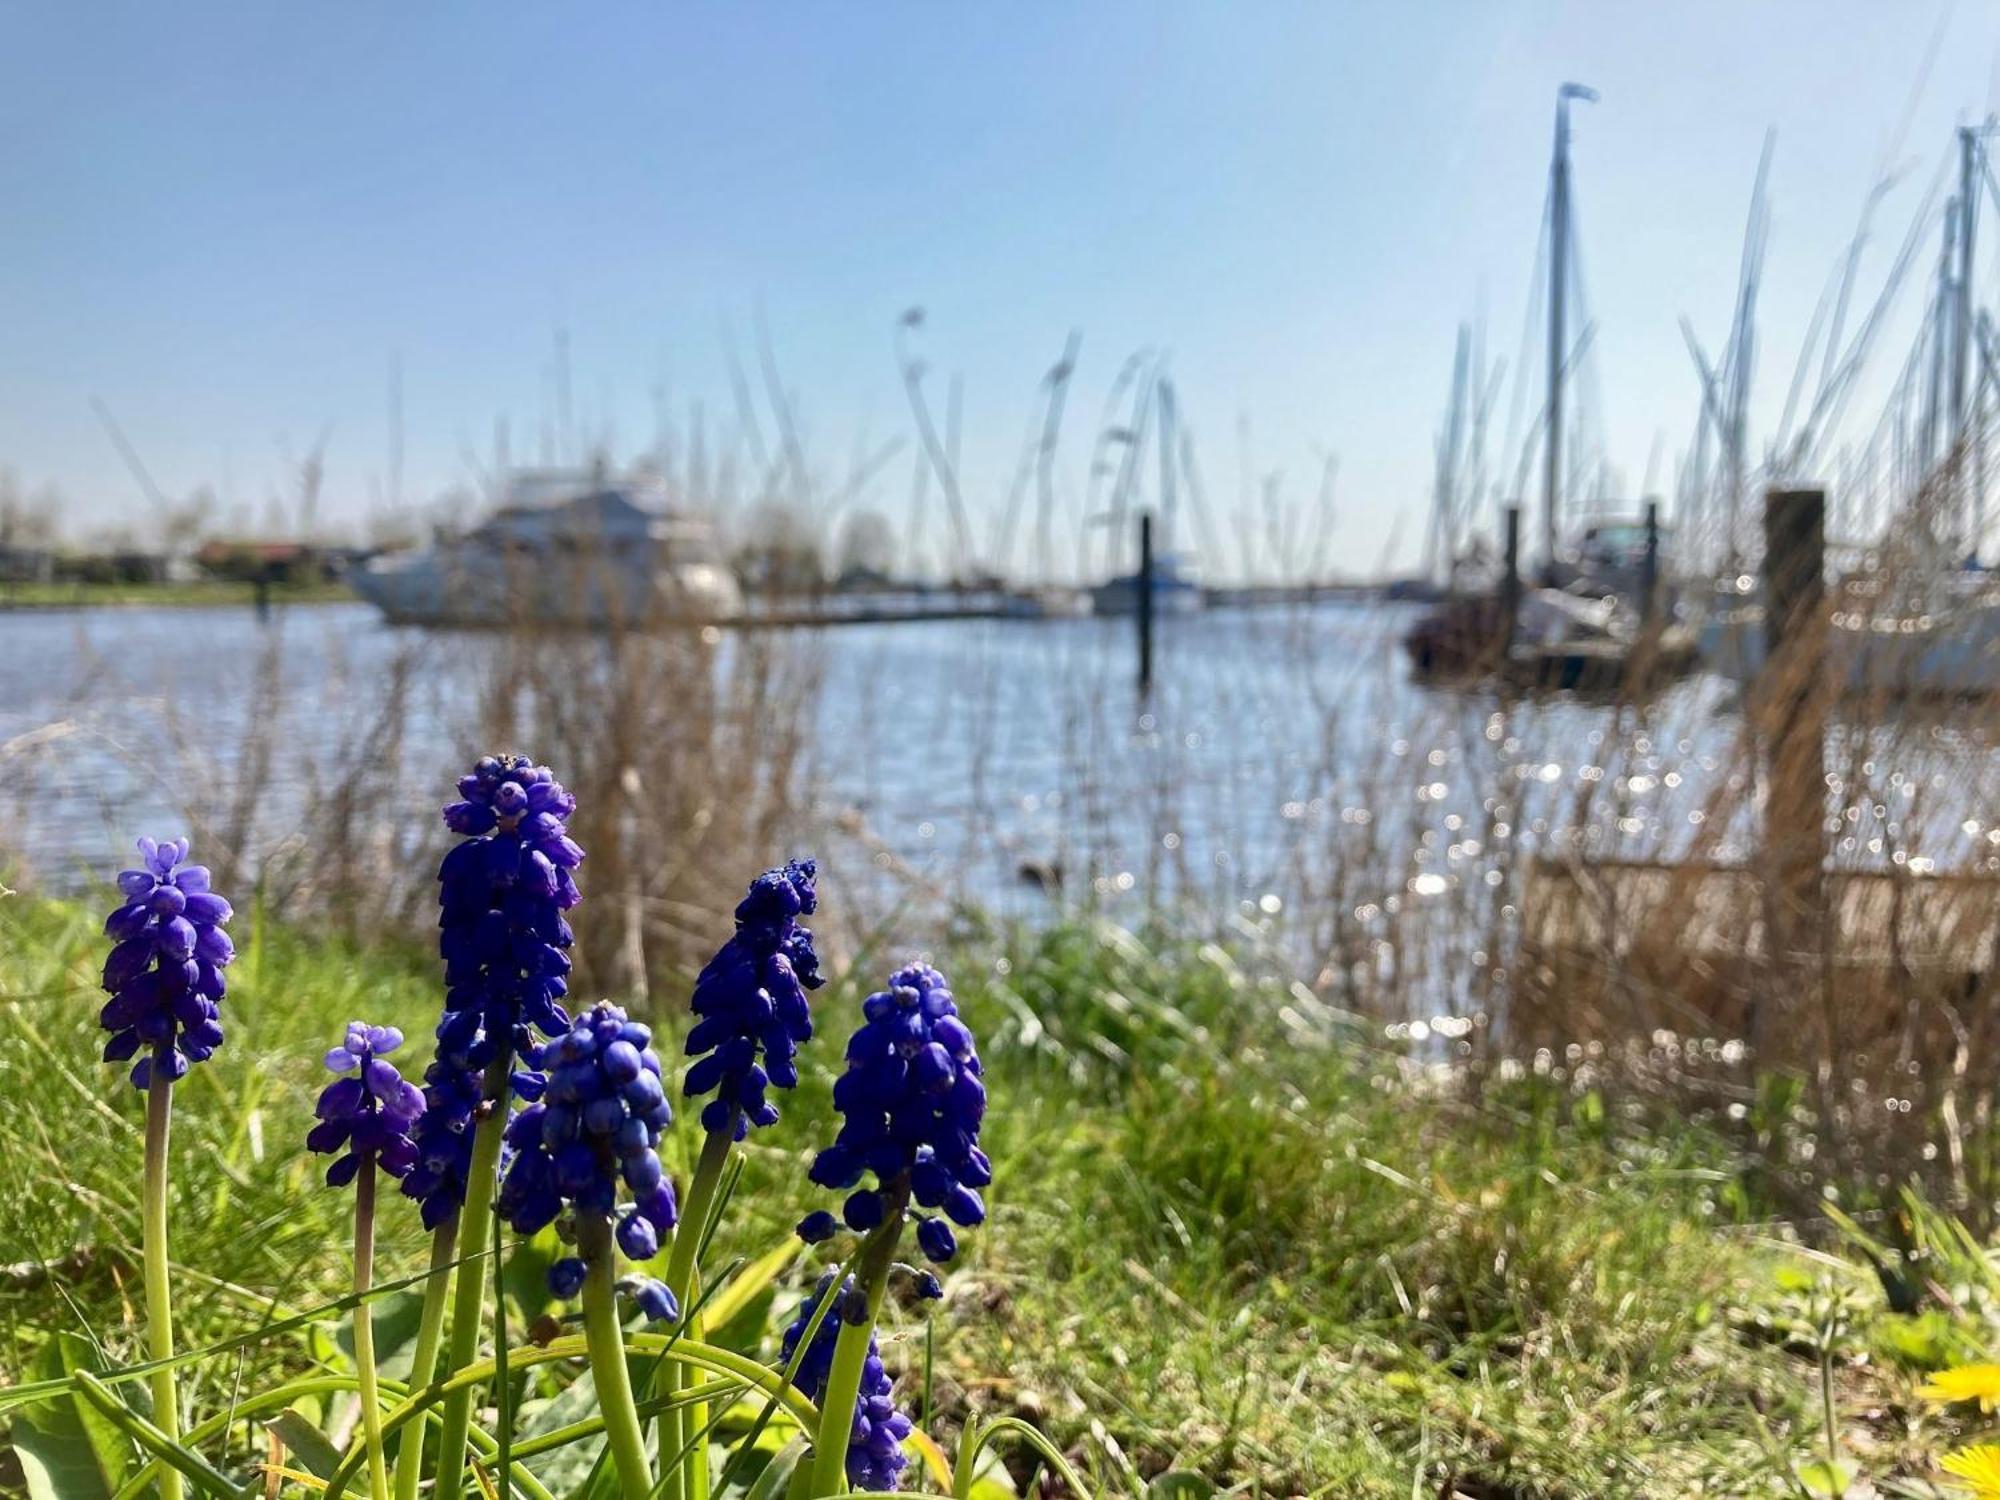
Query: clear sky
[[226, 220]]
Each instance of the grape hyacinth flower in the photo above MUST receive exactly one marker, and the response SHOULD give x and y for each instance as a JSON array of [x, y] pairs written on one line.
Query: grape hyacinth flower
[[442, 1137], [371, 1113], [165, 974], [164, 977], [912, 1102], [368, 1117], [599, 1125], [875, 1459], [752, 1017], [751, 1000], [502, 895]]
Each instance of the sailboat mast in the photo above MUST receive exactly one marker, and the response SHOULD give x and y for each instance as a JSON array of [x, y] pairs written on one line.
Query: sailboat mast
[[1968, 212], [1961, 332], [1558, 303]]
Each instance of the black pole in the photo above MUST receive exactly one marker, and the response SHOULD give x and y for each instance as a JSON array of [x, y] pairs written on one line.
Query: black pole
[[1146, 602], [1791, 696], [1649, 574]]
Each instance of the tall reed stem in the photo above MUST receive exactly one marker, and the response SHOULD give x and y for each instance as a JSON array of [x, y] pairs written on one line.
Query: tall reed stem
[[364, 1330], [423, 1362], [468, 1293], [850, 1353], [606, 1343], [690, 1482], [159, 1301]]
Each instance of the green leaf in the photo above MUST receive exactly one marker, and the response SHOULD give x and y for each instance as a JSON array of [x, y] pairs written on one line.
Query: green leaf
[[67, 1449], [776, 1475], [1180, 1484], [525, 1276], [394, 1320], [307, 1443], [564, 1470]]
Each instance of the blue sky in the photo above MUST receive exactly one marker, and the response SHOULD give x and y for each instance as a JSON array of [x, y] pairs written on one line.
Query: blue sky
[[224, 221]]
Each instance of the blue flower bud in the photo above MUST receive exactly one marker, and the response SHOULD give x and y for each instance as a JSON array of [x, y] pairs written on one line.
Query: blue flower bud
[[637, 1238], [566, 1277], [656, 1301], [817, 1227], [935, 1238]]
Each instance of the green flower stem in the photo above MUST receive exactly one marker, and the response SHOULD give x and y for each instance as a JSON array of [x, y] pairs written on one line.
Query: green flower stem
[[606, 1342], [468, 1294], [159, 1301], [690, 1482], [423, 1364], [850, 1351], [364, 1329]]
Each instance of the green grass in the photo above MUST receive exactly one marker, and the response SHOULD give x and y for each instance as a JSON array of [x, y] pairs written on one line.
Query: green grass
[[204, 592], [1229, 1234]]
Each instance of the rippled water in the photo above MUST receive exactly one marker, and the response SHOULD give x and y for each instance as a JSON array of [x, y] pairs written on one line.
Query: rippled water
[[1284, 756]]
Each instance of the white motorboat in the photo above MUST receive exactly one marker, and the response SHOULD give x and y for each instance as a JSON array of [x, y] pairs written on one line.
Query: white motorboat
[[564, 548]]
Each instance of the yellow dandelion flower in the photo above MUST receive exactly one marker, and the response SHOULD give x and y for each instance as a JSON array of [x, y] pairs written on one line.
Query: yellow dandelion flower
[[1979, 1467], [1979, 1383]]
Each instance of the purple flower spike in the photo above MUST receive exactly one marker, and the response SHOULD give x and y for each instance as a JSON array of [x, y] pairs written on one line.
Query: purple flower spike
[[502, 894], [164, 974], [597, 1129], [370, 1114], [505, 943], [912, 1101], [751, 1000]]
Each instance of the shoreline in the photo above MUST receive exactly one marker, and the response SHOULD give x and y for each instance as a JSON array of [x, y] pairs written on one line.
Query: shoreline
[[50, 598]]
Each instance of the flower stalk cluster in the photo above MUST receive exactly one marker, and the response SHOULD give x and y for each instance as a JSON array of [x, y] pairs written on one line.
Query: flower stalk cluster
[[529, 1117], [912, 1102], [367, 1118], [164, 976], [600, 1127], [503, 893]]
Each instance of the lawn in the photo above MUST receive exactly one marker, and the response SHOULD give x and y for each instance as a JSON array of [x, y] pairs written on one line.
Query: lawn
[[1231, 1237]]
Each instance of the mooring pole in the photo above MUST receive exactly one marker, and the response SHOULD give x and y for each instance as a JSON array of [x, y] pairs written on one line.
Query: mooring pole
[[1792, 702], [1649, 568], [1510, 582], [1145, 612]]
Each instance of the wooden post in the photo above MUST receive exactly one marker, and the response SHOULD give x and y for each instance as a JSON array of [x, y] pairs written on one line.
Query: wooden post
[[1510, 582], [1145, 611], [1792, 701], [1649, 569]]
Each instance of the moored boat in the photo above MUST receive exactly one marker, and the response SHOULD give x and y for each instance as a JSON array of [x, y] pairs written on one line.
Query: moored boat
[[565, 548]]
